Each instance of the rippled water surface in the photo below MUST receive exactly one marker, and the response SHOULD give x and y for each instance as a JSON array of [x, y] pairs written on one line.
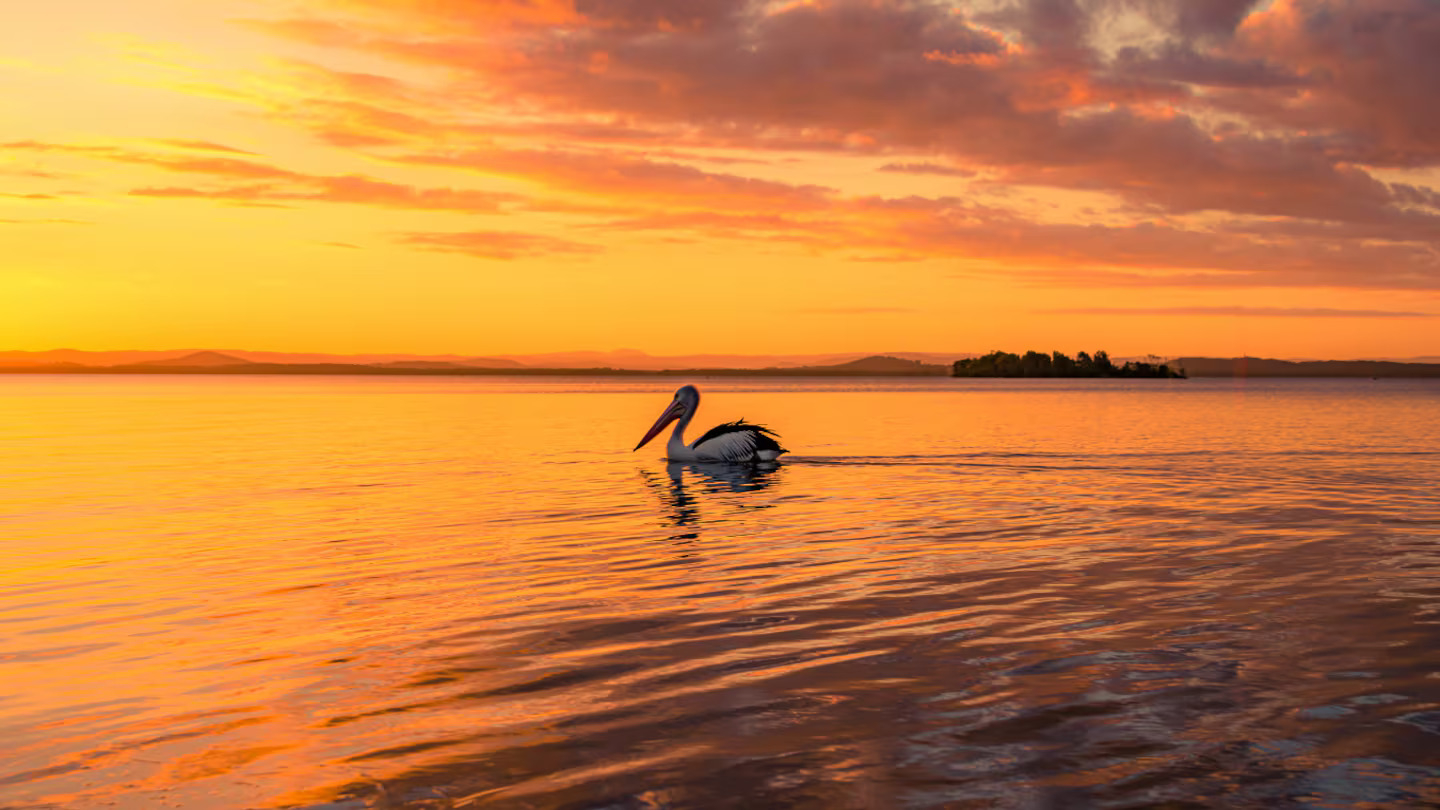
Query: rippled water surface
[[467, 592]]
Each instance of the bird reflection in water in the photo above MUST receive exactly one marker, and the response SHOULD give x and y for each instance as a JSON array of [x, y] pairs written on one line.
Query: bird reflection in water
[[682, 498]]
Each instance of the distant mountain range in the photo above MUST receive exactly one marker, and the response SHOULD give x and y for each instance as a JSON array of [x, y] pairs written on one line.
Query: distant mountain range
[[196, 360], [208, 361], [199, 357], [1265, 367], [623, 359]]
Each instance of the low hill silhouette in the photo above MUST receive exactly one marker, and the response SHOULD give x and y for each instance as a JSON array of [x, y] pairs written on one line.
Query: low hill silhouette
[[417, 364], [198, 360], [875, 364], [491, 362], [1266, 367]]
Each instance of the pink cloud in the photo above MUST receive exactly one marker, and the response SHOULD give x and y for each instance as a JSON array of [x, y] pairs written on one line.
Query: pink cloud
[[1374, 68]]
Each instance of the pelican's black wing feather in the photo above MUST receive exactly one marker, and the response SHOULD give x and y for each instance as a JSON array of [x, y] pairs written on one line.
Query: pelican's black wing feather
[[763, 438]]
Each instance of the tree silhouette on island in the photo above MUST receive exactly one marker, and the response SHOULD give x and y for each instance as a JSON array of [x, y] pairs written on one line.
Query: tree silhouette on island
[[1056, 364]]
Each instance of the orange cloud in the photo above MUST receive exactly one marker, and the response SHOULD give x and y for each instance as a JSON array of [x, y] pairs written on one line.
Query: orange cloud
[[202, 146], [1026, 93], [347, 189], [500, 245], [1242, 312], [925, 167], [619, 175], [284, 186]]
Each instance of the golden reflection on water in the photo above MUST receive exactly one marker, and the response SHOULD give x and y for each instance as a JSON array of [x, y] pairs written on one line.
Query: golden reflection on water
[[336, 592]]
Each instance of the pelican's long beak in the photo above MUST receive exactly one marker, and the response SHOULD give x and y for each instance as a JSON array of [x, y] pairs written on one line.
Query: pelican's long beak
[[670, 415]]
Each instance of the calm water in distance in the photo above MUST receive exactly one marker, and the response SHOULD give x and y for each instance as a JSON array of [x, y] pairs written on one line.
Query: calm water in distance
[[332, 592]]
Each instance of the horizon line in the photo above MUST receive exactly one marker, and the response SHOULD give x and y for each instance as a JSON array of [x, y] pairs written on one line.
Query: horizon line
[[860, 354]]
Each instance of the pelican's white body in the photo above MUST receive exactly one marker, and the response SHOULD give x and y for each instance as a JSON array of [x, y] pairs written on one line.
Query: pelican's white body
[[737, 445]]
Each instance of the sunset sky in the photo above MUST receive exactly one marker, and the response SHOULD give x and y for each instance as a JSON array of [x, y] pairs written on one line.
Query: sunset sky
[[506, 176]]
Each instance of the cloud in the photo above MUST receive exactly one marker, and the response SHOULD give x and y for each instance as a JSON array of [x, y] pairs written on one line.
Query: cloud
[[33, 174], [614, 174], [351, 189], [1228, 141], [273, 184], [500, 245], [221, 167], [728, 225], [856, 310], [42, 146], [1147, 253], [928, 168], [1375, 68], [1233, 143], [230, 167], [1183, 63], [1241, 312], [202, 146], [1028, 90]]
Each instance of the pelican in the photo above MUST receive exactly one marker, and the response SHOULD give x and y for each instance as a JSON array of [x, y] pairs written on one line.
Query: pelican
[[736, 441]]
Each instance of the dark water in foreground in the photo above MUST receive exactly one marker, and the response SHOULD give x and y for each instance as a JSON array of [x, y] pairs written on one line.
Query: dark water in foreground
[[437, 593]]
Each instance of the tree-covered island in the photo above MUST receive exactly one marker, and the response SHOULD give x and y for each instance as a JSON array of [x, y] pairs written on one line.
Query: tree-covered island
[[1037, 364]]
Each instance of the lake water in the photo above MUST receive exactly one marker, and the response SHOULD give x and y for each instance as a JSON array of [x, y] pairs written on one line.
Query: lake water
[[421, 592]]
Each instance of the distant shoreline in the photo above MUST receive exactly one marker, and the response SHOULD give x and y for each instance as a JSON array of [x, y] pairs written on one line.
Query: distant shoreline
[[374, 371], [1195, 367]]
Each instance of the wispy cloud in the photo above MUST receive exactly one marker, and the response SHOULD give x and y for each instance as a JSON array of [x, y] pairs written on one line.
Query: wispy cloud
[[855, 310], [202, 146], [928, 168], [355, 190], [32, 174], [1241, 312], [499, 245], [619, 174], [274, 185]]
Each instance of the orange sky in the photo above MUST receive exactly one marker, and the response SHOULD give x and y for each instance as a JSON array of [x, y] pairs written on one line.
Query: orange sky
[[509, 176]]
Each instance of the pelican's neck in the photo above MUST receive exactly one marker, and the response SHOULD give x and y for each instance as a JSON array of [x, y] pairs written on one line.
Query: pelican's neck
[[676, 447]]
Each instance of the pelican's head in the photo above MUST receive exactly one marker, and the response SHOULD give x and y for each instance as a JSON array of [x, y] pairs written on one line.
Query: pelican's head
[[686, 400]]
